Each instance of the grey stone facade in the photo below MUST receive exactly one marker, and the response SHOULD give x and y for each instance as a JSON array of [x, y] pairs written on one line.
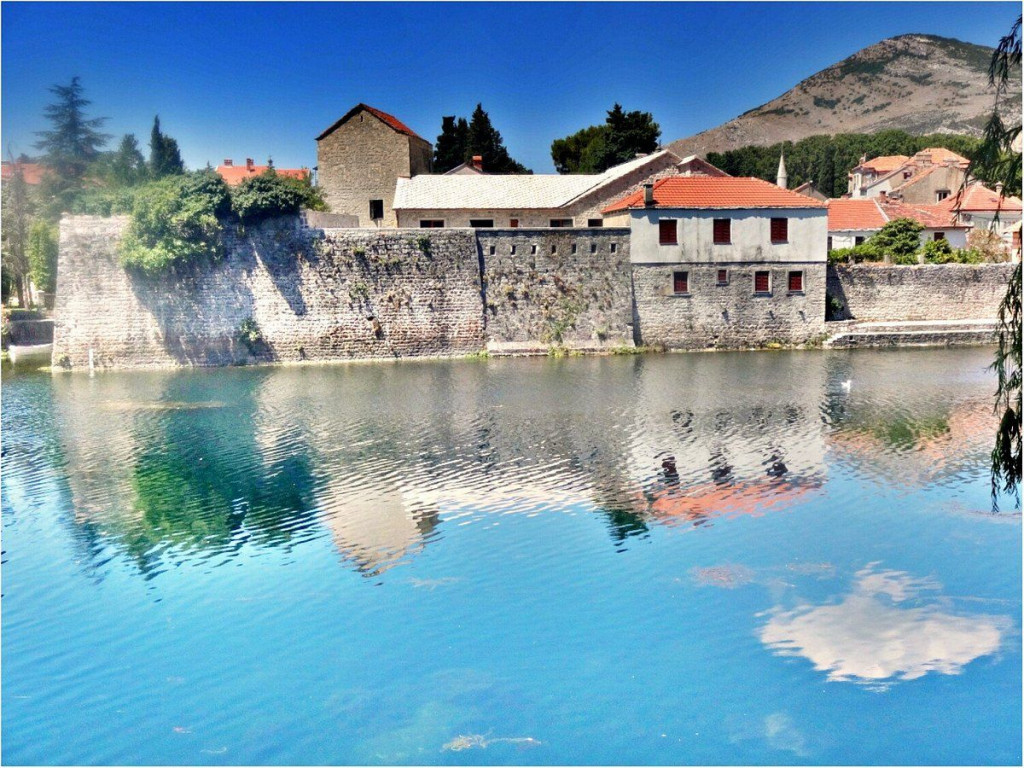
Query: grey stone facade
[[730, 316], [871, 292]]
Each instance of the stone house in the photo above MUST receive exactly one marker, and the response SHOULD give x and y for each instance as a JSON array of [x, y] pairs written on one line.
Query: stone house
[[360, 156], [852, 221], [724, 261], [929, 177], [532, 200], [979, 207]]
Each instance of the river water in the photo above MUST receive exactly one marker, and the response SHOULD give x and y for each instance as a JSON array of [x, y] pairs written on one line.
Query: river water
[[739, 558]]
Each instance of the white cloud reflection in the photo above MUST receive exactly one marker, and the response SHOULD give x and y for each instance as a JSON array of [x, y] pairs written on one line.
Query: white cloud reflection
[[873, 636]]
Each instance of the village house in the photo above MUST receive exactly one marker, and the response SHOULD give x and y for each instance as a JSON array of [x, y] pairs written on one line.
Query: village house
[[979, 207], [360, 156], [528, 200], [236, 174], [32, 173], [930, 176], [852, 222], [724, 261]]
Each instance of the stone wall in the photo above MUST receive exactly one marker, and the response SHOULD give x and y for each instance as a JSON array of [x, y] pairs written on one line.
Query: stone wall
[[555, 286], [727, 316], [312, 294], [925, 292]]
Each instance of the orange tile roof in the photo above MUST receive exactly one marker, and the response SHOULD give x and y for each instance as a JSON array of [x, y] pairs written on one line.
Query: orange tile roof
[[940, 155], [32, 173], [390, 120], [854, 214], [885, 163], [980, 198], [929, 216], [715, 192], [236, 174]]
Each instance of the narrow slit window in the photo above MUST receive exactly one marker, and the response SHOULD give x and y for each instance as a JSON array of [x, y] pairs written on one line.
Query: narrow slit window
[[574, 247], [533, 250], [512, 250], [593, 247], [615, 247]]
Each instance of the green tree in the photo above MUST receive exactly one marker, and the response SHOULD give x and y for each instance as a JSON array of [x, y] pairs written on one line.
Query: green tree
[[899, 239], [265, 196], [164, 156], [595, 149], [17, 207], [125, 167], [452, 145], [74, 140], [484, 140], [42, 255]]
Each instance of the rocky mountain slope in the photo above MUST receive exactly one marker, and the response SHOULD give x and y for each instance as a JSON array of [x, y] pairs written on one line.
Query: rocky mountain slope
[[917, 83]]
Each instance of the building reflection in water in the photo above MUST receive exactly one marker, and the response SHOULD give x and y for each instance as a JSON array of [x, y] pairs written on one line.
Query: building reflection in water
[[890, 627]]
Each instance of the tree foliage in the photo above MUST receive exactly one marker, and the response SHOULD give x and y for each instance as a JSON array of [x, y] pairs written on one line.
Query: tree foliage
[[484, 140], [265, 196], [899, 239], [452, 144], [42, 255], [164, 156], [74, 140], [595, 149], [125, 166], [18, 208]]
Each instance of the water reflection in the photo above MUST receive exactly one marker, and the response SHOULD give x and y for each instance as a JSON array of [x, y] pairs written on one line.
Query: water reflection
[[180, 466], [891, 626]]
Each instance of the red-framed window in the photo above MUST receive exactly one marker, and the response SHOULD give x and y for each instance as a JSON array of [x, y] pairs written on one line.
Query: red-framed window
[[762, 281], [668, 232], [680, 282], [723, 277], [780, 230], [796, 282], [722, 231]]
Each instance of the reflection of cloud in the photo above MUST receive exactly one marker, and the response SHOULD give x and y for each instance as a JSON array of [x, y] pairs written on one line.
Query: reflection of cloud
[[872, 637]]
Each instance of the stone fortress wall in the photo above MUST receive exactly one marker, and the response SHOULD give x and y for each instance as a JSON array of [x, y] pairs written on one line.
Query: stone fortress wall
[[287, 292]]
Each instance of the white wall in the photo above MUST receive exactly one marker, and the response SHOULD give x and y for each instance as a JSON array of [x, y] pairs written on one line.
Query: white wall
[[751, 236], [847, 239]]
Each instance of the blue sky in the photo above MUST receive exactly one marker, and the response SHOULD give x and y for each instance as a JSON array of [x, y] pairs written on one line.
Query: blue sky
[[256, 79]]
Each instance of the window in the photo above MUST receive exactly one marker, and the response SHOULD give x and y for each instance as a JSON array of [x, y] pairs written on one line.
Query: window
[[762, 281], [780, 230], [595, 222], [513, 223], [941, 194], [512, 250], [554, 249], [907, 174], [490, 251], [376, 209], [614, 247], [723, 231], [560, 223], [939, 236], [533, 250], [681, 282], [796, 282], [481, 223], [667, 232], [723, 277], [858, 240], [574, 247], [431, 223], [829, 246], [593, 247]]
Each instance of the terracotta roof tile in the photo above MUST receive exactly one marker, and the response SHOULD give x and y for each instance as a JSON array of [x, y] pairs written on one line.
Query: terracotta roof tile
[[716, 192], [854, 215], [236, 174], [929, 216], [885, 163], [31, 172], [980, 198], [389, 120], [941, 155]]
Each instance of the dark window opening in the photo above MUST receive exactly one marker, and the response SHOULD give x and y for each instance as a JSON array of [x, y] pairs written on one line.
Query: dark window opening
[[723, 231], [490, 251], [560, 223], [667, 229], [723, 277], [431, 223], [762, 282], [780, 230], [829, 246], [513, 223], [939, 236], [796, 282], [574, 247], [681, 282], [512, 250], [481, 223], [376, 209], [595, 222], [615, 247], [941, 194], [593, 247], [533, 250], [858, 241]]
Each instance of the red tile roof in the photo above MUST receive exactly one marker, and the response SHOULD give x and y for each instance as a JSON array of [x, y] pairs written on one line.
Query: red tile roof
[[854, 215], [715, 192], [31, 172], [389, 120], [236, 174], [940, 155], [978, 197], [885, 163], [929, 216]]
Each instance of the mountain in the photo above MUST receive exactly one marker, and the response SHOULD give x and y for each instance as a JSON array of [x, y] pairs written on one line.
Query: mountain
[[916, 83]]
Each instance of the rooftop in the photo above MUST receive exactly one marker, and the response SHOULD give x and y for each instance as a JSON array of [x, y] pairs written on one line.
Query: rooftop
[[236, 174], [715, 192], [390, 120], [885, 163], [845, 214], [979, 198]]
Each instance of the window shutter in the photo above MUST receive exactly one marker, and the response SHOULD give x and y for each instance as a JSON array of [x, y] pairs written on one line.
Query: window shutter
[[723, 231], [780, 230], [762, 283], [796, 282], [680, 282], [667, 232]]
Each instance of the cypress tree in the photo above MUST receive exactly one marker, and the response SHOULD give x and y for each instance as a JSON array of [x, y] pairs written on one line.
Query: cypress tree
[[164, 156]]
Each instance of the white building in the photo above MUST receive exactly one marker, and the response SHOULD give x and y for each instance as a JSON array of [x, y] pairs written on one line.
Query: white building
[[852, 222]]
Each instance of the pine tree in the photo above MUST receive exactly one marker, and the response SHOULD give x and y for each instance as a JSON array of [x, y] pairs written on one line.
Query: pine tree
[[450, 150], [127, 167], [595, 149], [74, 140], [164, 157], [485, 141]]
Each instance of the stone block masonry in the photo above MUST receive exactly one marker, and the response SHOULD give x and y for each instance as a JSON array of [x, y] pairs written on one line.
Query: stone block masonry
[[712, 314], [567, 288], [925, 292], [306, 294]]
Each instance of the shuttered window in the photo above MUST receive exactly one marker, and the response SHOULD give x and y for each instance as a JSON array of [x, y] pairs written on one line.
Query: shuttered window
[[681, 282], [667, 229], [780, 230], [723, 277], [723, 231], [796, 282], [762, 282]]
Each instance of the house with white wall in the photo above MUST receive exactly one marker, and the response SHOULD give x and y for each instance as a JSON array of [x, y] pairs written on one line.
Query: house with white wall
[[725, 261], [852, 222], [929, 177], [981, 208]]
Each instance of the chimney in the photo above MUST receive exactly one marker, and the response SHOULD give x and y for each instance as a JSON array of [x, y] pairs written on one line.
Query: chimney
[[270, 162], [249, 165], [478, 162], [228, 162], [648, 195]]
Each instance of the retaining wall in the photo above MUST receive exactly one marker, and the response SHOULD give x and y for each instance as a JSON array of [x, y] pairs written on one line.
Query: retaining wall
[[922, 292]]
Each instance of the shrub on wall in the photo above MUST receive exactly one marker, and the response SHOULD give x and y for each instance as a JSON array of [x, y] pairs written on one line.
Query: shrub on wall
[[856, 255], [899, 239], [268, 195], [42, 255], [176, 221]]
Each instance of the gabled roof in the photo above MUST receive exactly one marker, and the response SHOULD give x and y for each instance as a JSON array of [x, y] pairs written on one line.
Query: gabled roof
[[979, 198], [935, 216], [856, 215], [508, 192], [885, 163], [236, 174], [940, 156], [701, 192], [917, 177], [389, 120]]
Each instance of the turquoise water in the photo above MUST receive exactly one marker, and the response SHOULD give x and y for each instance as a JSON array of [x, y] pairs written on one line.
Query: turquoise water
[[497, 561]]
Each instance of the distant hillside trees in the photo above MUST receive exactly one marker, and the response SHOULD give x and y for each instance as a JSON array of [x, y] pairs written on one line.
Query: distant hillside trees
[[460, 141], [595, 149], [826, 160]]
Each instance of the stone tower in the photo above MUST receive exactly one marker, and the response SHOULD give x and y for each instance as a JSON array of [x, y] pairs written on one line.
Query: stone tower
[[360, 159], [782, 179]]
